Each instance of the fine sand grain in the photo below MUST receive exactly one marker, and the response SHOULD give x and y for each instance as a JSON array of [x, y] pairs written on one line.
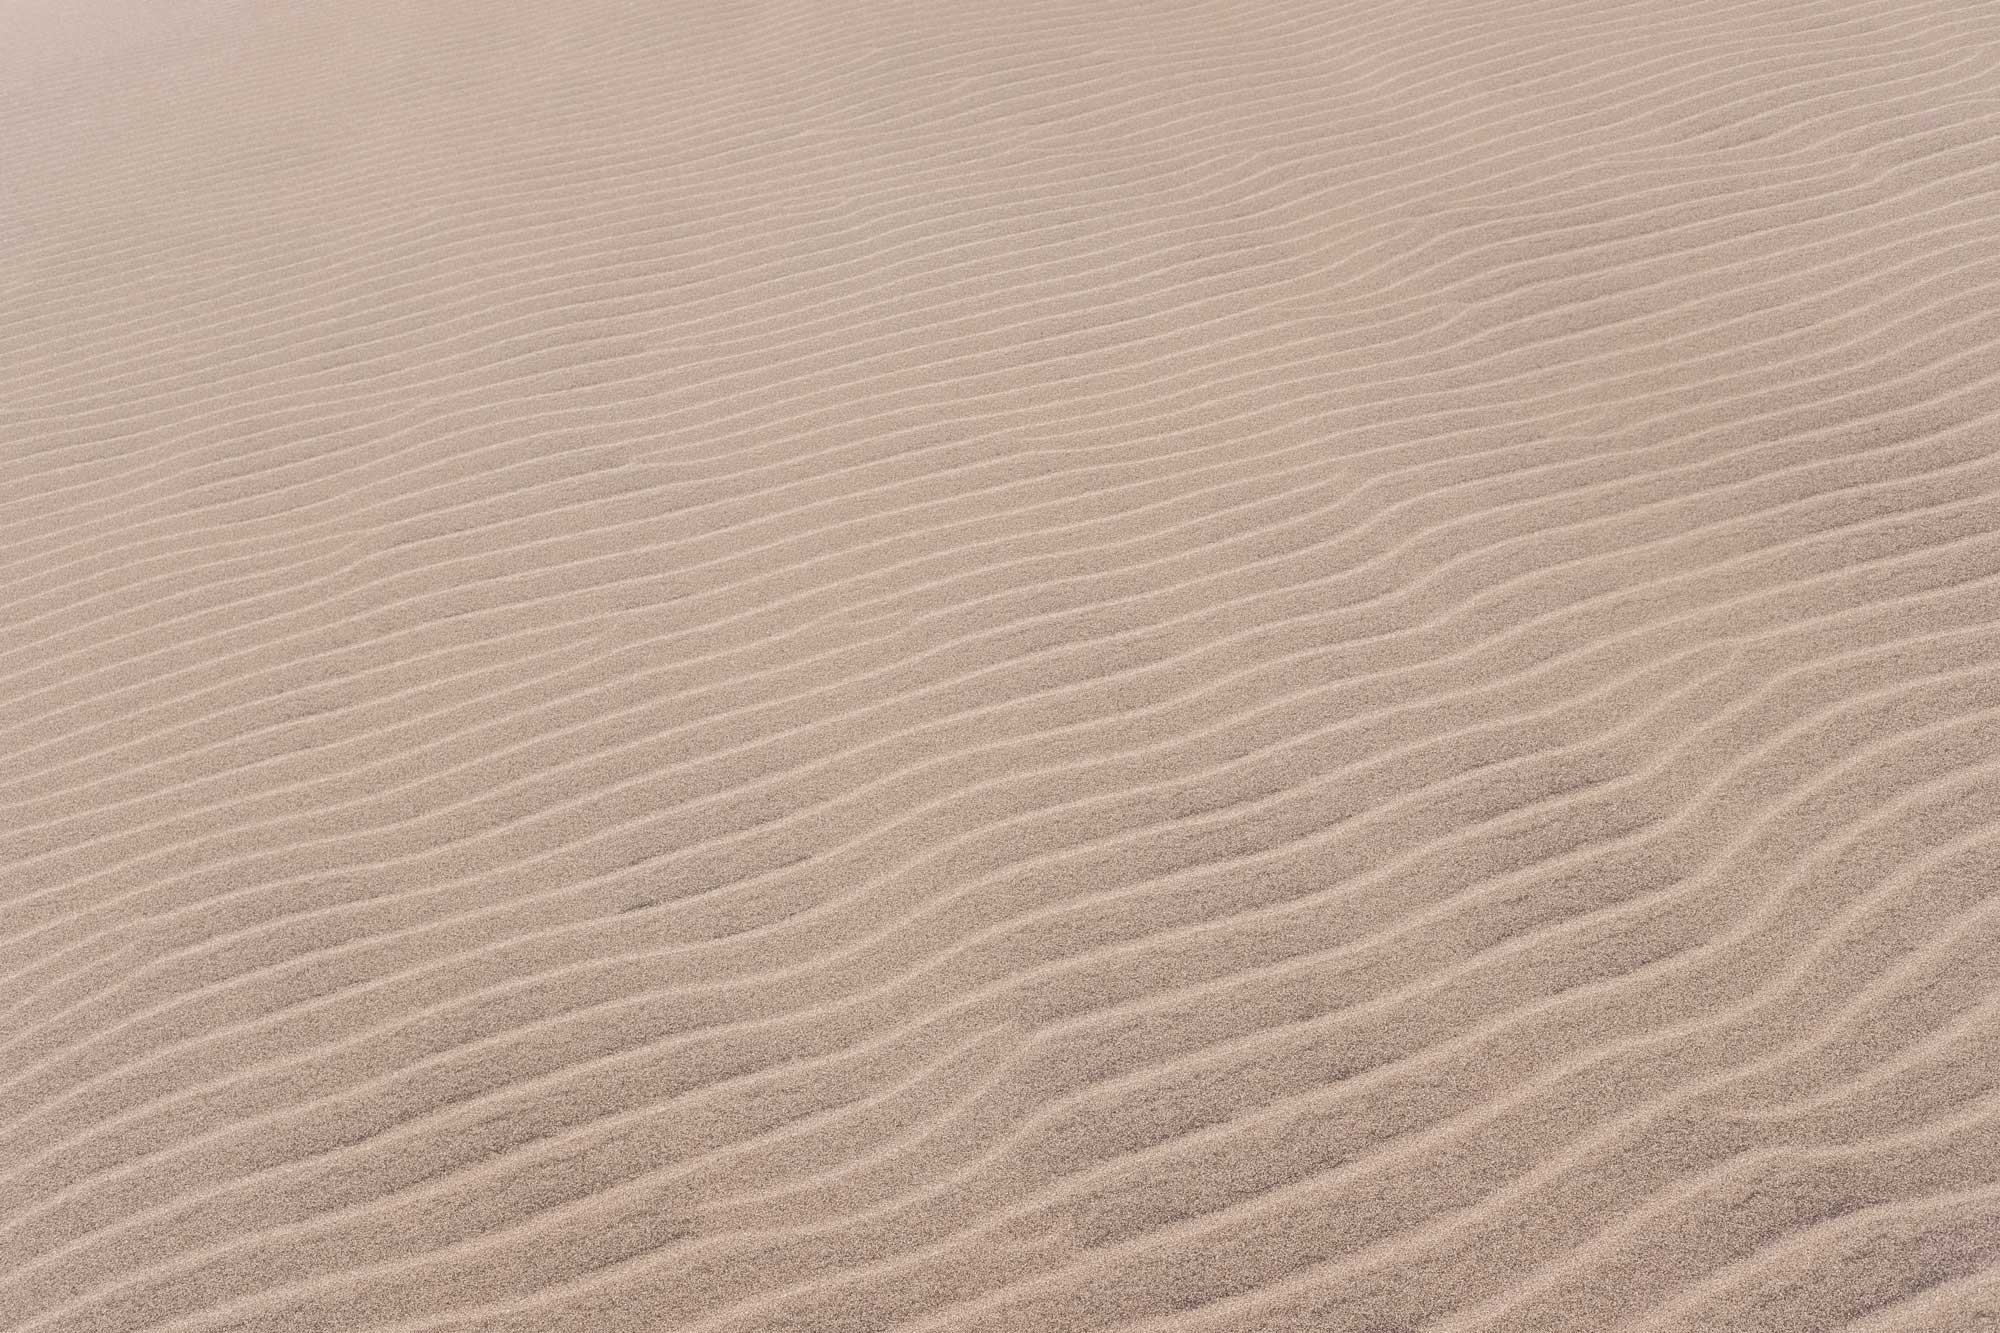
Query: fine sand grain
[[971, 666]]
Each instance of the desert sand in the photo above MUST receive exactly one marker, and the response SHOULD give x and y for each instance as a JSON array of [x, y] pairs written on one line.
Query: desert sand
[[957, 667]]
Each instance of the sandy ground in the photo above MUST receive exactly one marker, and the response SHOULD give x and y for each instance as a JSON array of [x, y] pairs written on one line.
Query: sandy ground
[[964, 667]]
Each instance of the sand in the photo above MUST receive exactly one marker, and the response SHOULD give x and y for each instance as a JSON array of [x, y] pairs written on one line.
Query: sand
[[968, 667]]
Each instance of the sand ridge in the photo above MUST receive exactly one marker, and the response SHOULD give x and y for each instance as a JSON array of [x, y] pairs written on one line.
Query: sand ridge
[[1172, 666]]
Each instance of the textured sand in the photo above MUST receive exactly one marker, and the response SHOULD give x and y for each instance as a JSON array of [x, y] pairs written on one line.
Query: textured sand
[[999, 666]]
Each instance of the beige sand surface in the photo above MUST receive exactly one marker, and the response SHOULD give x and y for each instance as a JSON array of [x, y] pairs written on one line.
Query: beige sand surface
[[1182, 665]]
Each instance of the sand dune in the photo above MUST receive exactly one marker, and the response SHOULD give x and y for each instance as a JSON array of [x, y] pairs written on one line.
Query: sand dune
[[967, 667]]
